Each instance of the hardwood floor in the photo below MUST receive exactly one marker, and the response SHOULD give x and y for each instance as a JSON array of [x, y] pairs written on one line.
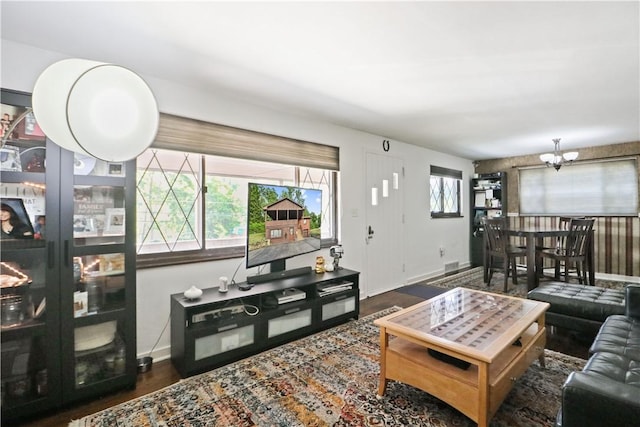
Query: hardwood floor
[[163, 374]]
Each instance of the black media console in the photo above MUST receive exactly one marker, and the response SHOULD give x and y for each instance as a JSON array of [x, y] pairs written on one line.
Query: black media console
[[219, 328]]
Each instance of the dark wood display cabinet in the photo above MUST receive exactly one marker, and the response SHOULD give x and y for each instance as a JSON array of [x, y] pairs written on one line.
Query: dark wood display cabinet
[[68, 327], [488, 199], [221, 327]]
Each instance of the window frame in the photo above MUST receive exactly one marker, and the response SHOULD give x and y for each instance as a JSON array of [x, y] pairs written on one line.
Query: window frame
[[167, 258], [568, 178], [441, 173]]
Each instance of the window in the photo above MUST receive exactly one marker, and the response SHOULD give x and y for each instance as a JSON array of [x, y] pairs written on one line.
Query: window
[[607, 187], [445, 195], [192, 198], [276, 234], [188, 202]]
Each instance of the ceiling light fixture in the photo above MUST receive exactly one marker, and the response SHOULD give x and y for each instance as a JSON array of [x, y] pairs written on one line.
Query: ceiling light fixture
[[103, 110], [556, 159]]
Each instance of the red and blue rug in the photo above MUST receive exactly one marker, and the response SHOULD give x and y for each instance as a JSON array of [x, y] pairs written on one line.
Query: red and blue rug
[[327, 379]]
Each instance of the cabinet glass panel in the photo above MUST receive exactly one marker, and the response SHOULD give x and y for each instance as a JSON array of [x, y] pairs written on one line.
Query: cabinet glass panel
[[22, 278], [24, 372], [100, 352], [338, 308], [23, 148], [23, 214], [221, 342], [98, 215], [99, 281], [290, 322], [85, 165]]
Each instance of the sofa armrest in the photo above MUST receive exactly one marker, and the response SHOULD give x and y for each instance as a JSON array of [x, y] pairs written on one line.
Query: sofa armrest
[[632, 301], [594, 400]]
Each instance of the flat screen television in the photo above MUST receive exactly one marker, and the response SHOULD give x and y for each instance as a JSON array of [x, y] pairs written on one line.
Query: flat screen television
[[282, 222]]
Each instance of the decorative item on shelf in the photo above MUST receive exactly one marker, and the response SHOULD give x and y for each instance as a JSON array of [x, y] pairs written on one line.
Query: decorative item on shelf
[[12, 278], [556, 159], [120, 361], [224, 284], [10, 160], [336, 253], [78, 269], [319, 264], [103, 110], [193, 293], [95, 294]]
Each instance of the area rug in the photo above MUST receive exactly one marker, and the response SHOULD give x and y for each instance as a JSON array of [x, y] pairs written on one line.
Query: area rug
[[473, 279], [327, 379]]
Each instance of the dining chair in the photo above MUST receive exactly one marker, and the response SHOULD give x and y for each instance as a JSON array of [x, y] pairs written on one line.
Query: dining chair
[[556, 243], [571, 249], [499, 248]]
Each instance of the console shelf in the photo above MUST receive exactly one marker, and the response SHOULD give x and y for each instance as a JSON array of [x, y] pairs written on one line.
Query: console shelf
[[220, 328]]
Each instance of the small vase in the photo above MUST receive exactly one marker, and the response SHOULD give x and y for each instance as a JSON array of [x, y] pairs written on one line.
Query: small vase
[[193, 293]]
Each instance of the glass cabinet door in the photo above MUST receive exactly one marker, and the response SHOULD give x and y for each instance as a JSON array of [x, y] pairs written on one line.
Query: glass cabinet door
[[28, 307], [97, 296], [67, 273]]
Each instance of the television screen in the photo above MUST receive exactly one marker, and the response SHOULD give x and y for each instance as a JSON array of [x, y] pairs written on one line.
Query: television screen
[[282, 222]]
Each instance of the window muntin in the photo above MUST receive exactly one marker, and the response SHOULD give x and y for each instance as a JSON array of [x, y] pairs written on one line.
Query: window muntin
[[177, 215]]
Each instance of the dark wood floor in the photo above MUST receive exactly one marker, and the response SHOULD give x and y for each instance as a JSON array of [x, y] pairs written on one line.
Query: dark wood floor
[[163, 374]]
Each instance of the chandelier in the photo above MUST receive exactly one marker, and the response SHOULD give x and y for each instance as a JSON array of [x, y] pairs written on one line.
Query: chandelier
[[556, 159]]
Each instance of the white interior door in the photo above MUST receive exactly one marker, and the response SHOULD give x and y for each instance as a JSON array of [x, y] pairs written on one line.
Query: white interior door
[[384, 224]]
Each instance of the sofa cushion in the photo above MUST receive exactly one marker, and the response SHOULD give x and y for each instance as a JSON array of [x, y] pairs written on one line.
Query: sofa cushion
[[619, 335], [582, 301], [616, 367]]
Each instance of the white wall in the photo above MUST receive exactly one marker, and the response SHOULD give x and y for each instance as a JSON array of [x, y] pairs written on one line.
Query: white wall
[[423, 236]]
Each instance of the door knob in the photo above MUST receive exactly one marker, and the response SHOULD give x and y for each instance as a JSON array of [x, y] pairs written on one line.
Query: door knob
[[370, 233]]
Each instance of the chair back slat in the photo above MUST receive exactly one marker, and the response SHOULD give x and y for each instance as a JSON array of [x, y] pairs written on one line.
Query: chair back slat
[[563, 224], [576, 241]]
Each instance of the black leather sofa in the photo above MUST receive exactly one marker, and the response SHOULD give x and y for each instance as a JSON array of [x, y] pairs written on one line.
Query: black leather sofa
[[607, 391]]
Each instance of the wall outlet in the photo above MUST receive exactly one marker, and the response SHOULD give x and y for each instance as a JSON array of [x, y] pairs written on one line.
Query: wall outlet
[[441, 252]]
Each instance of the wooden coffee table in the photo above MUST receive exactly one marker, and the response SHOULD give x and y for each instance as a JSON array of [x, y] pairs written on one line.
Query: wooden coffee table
[[496, 335]]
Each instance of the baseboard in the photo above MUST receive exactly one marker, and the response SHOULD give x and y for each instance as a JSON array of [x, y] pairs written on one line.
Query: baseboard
[[159, 354], [618, 277], [437, 274]]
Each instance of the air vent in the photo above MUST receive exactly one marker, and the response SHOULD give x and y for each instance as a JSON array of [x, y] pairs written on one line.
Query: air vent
[[451, 267]]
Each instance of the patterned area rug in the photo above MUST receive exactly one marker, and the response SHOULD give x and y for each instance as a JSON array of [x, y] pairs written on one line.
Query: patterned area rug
[[328, 379], [473, 279]]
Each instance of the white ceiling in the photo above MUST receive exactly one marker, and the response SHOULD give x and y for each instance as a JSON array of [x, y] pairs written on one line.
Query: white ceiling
[[476, 79]]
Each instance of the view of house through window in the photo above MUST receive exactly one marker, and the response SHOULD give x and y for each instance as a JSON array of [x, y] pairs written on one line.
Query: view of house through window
[[193, 202], [445, 192]]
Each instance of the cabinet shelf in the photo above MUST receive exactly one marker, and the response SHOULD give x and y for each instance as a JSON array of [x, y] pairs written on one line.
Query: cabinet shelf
[[487, 190], [29, 327], [22, 244]]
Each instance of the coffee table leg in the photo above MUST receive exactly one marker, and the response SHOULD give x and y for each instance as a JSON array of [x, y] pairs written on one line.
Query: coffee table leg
[[483, 394], [542, 327], [384, 343]]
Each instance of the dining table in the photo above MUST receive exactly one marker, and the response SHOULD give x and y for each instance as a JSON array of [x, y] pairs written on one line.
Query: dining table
[[534, 236]]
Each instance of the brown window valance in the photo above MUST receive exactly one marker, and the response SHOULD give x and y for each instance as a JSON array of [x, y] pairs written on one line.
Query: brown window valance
[[184, 134]]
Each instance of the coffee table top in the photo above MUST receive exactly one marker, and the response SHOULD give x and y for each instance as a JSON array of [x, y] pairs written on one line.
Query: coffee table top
[[467, 321]]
